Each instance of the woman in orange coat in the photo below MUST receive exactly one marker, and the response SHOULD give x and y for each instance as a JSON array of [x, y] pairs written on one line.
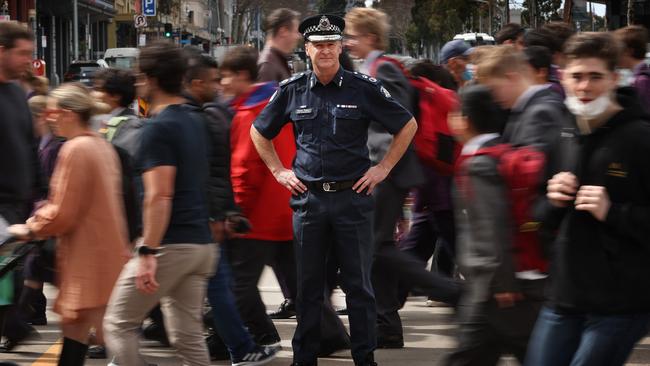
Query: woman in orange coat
[[85, 212]]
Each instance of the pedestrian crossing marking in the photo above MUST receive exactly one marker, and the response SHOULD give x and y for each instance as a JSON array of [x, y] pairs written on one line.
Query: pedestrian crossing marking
[[51, 356]]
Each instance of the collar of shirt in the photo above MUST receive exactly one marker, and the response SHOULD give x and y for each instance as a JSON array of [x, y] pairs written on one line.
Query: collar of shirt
[[523, 99], [116, 112], [45, 140], [369, 61], [337, 80], [640, 68], [475, 143]]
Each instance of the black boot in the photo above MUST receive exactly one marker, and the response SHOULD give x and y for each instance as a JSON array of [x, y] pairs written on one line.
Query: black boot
[[32, 305], [73, 353]]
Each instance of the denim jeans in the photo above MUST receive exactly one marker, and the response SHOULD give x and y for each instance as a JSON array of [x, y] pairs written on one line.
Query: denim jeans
[[584, 339], [227, 321]]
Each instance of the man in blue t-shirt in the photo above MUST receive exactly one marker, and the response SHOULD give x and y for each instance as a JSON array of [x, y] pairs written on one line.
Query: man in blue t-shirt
[[176, 257]]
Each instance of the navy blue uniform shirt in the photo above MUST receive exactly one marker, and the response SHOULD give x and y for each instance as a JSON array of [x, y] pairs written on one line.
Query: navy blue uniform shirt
[[330, 122], [177, 137]]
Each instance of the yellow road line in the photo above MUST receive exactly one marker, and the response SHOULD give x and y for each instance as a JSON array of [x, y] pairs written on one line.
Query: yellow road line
[[51, 356]]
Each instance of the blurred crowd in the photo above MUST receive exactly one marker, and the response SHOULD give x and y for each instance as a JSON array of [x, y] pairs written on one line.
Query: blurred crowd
[[522, 201]]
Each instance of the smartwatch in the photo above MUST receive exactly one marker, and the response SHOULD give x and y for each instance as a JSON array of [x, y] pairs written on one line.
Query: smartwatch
[[145, 250]]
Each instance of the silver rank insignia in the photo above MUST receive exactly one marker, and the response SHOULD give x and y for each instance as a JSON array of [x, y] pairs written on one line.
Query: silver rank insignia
[[385, 92], [324, 24]]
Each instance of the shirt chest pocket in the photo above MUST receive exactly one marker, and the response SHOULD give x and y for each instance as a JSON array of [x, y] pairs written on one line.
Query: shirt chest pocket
[[348, 124], [304, 120]]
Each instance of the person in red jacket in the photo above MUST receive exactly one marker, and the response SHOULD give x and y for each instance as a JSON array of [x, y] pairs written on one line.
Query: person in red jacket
[[261, 198]]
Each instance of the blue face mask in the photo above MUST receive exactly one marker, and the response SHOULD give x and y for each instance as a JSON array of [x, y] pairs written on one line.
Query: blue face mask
[[468, 74]]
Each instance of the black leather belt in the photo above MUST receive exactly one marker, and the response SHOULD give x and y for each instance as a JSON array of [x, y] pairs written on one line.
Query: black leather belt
[[330, 186]]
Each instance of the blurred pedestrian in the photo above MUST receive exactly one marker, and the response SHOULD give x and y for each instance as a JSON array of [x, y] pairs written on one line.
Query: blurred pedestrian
[[232, 338], [20, 177], [256, 191], [281, 27], [539, 59], [366, 33], [282, 38], [454, 56], [635, 46], [176, 255], [599, 304], [39, 265], [512, 34], [84, 210], [536, 115], [332, 180], [497, 310]]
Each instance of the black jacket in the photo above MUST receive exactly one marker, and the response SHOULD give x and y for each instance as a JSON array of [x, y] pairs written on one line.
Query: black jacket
[[221, 201], [604, 267]]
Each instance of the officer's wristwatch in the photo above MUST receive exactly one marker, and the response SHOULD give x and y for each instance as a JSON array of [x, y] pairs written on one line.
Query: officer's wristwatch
[[145, 250]]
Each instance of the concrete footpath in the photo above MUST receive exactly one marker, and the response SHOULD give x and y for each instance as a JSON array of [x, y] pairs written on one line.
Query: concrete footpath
[[429, 334]]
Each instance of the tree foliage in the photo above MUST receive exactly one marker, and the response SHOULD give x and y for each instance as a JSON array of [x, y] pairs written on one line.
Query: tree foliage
[[547, 10], [336, 7], [437, 21]]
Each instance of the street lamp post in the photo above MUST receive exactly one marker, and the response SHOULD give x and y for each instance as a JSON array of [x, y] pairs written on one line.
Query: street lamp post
[[75, 28]]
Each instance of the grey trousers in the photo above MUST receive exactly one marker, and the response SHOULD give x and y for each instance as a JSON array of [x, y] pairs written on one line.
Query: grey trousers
[[183, 272]]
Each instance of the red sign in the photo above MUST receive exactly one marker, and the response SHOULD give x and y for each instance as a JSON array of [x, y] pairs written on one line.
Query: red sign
[[39, 67]]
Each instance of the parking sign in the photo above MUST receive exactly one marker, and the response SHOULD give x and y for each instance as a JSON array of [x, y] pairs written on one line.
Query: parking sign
[[149, 8]]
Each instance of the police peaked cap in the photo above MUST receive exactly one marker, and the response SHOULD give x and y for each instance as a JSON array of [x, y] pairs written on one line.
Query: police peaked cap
[[322, 28]]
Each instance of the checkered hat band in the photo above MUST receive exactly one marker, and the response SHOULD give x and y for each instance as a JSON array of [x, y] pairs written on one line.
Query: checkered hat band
[[318, 28]]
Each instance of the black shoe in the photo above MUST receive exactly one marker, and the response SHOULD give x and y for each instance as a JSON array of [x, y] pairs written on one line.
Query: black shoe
[[390, 342], [258, 356], [156, 332], [11, 343], [342, 311], [328, 348], [208, 320], [270, 340], [96, 352], [369, 361], [287, 310], [217, 349], [40, 320]]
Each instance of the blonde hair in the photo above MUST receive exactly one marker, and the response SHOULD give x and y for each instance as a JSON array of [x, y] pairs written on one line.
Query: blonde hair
[[370, 21], [37, 104], [40, 84], [500, 60], [76, 98]]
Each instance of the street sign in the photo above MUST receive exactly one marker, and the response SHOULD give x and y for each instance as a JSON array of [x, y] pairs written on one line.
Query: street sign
[[142, 40], [149, 8], [39, 67], [140, 21]]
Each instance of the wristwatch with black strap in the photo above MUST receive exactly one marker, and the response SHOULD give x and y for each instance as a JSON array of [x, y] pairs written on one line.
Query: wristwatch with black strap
[[145, 250]]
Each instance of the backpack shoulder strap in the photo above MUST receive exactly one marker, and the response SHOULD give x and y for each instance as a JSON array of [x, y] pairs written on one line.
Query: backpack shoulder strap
[[383, 59]]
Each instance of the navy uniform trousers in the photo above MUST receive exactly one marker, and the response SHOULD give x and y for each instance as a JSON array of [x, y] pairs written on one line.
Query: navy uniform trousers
[[343, 219]]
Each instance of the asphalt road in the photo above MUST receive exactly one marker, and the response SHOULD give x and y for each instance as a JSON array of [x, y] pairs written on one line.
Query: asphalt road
[[429, 335]]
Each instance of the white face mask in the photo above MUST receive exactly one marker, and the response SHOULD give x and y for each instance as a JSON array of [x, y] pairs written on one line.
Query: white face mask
[[588, 110], [625, 77]]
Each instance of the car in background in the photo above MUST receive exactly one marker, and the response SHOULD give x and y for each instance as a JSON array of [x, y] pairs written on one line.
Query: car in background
[[476, 39], [121, 58], [84, 71]]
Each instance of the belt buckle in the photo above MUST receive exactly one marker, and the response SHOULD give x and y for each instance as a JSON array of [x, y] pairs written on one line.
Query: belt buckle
[[327, 187]]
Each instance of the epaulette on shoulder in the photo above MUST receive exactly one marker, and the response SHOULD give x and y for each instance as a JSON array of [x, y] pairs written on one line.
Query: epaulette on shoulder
[[292, 79], [365, 77]]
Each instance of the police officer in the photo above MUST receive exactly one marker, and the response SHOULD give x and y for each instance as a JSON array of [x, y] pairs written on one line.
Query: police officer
[[332, 180]]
